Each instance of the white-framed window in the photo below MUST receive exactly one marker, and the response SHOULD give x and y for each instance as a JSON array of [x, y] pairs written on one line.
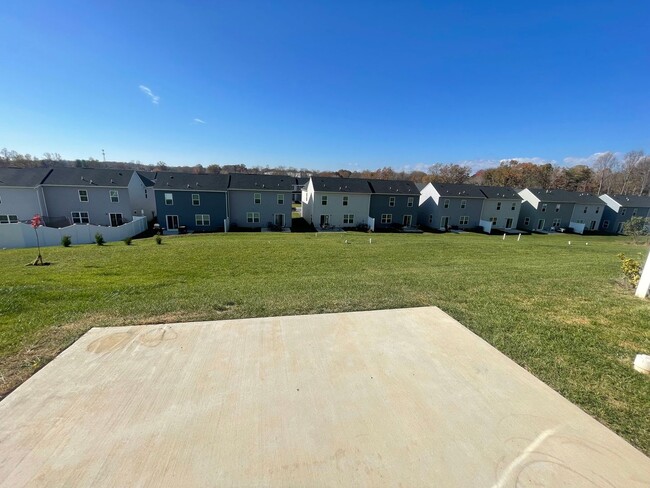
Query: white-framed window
[[634, 212], [146, 195], [391, 201], [83, 195], [80, 218], [556, 222], [580, 221], [463, 220], [280, 198], [386, 218], [257, 198], [526, 220], [114, 195], [605, 224], [8, 219], [544, 207], [196, 200], [169, 199], [463, 203], [446, 204], [409, 202], [514, 206], [498, 205], [345, 200], [623, 210], [557, 207], [348, 218], [323, 200], [202, 219], [493, 220], [585, 210], [252, 217]]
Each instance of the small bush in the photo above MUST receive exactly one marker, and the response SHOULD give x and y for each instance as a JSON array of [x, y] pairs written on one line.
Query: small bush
[[66, 241], [127, 241], [158, 240], [99, 239], [631, 269]]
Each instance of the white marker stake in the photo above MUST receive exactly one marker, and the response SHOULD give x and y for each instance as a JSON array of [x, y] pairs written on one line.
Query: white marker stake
[[519, 238], [569, 243], [504, 237], [644, 283], [370, 240]]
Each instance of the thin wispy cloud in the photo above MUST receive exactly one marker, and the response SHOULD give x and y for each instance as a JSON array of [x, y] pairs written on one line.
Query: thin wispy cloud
[[587, 160], [535, 160], [154, 98], [199, 121]]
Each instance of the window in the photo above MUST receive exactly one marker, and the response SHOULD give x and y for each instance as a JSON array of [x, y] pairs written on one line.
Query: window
[[605, 224], [169, 199], [585, 210], [0, 199], [114, 195], [514, 206], [493, 220], [280, 199], [527, 221], [116, 219], [345, 201], [623, 210], [8, 219], [257, 198], [196, 200], [597, 209], [634, 212], [348, 218], [580, 221], [556, 223], [323, 200], [430, 219], [543, 207], [557, 207], [252, 217], [386, 218], [202, 219], [80, 218], [391, 201], [463, 203], [409, 202], [83, 195], [446, 204], [464, 220], [146, 195], [498, 205]]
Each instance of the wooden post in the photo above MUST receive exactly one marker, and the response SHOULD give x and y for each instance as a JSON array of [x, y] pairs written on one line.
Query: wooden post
[[644, 282]]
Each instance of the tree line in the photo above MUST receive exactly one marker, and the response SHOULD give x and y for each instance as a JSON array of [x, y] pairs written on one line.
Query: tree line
[[607, 174]]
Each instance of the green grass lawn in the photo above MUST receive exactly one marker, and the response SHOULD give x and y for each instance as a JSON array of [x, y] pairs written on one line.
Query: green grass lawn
[[557, 310]]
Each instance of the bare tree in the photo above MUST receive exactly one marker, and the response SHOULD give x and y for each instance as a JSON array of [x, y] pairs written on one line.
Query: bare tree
[[630, 164], [604, 167]]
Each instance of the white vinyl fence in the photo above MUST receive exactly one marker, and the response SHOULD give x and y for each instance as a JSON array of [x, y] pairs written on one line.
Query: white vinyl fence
[[23, 235]]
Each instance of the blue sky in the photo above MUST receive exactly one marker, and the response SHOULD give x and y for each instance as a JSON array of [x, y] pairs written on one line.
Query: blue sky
[[325, 85]]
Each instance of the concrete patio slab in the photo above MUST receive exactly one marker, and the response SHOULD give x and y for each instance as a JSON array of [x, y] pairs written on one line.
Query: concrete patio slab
[[383, 398]]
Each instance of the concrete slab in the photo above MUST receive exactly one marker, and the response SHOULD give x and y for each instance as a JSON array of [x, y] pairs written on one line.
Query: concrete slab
[[385, 398]]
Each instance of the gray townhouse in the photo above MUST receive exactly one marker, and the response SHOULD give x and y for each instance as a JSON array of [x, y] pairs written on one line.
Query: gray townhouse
[[336, 202], [547, 210], [501, 207], [194, 202], [621, 208], [21, 195], [256, 201], [393, 203], [448, 206]]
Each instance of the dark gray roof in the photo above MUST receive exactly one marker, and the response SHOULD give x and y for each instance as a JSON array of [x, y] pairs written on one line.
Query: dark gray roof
[[394, 187], [188, 181], [565, 196], [420, 186], [343, 185], [239, 181], [89, 177], [497, 192], [450, 190], [302, 181], [631, 200], [23, 177], [147, 177]]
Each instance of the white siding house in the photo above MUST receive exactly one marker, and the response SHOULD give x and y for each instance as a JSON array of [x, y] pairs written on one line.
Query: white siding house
[[336, 202]]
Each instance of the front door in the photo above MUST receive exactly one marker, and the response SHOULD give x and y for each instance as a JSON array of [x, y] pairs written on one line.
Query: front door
[[540, 224], [172, 222], [324, 220], [444, 222], [508, 223], [279, 220], [406, 221], [620, 228], [116, 219]]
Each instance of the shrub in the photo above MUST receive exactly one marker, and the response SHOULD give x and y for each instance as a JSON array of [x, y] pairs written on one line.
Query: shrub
[[99, 239], [66, 241], [158, 240], [631, 269], [127, 241], [636, 227]]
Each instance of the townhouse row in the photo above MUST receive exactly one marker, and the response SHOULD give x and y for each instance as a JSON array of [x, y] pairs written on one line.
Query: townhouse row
[[214, 202]]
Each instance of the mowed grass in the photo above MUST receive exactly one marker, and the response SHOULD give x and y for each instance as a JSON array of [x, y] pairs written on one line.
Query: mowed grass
[[556, 309]]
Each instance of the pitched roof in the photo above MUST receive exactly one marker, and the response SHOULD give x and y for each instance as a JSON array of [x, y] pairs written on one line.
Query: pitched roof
[[451, 190], [394, 187], [565, 196], [89, 177], [241, 181], [497, 192], [420, 186], [23, 177], [147, 177], [167, 180], [631, 200], [343, 185]]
